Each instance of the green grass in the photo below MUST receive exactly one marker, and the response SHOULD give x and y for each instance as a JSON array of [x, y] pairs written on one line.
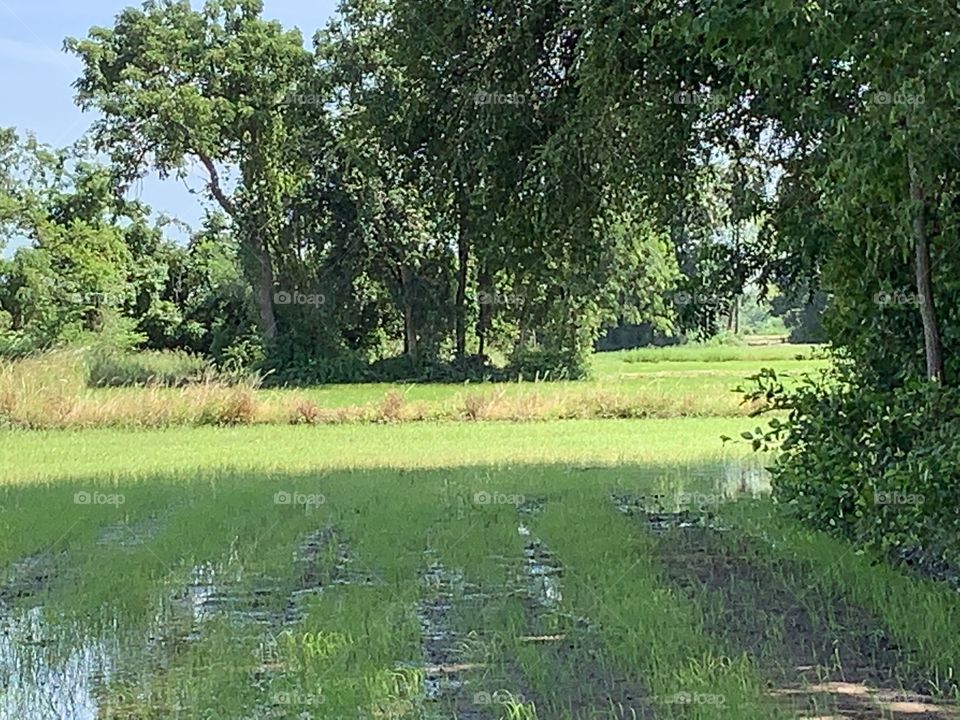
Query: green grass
[[436, 539], [359, 645], [615, 580], [404, 496], [390, 519], [711, 353], [920, 613], [274, 449]]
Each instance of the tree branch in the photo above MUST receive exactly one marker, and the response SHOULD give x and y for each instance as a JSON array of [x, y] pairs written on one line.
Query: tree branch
[[214, 185]]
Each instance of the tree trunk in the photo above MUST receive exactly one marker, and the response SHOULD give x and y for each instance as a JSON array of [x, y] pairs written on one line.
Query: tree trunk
[[264, 288], [463, 258], [484, 283], [260, 265], [524, 335], [932, 343], [409, 322]]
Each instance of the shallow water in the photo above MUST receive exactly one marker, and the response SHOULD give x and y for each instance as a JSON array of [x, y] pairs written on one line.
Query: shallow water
[[39, 680], [49, 671]]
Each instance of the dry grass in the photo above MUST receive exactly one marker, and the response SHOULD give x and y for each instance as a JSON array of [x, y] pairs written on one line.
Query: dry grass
[[50, 392]]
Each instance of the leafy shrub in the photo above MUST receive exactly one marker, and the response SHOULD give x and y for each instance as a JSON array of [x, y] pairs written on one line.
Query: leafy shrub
[[354, 369], [394, 369], [316, 370], [173, 368], [878, 467], [544, 364]]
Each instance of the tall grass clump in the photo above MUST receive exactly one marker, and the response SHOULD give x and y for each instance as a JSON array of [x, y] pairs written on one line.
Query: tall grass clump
[[55, 390], [38, 390]]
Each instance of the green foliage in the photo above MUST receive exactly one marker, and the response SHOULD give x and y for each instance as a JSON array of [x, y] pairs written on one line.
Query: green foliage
[[174, 84], [802, 314], [757, 317], [878, 467], [76, 273], [447, 182], [310, 369], [108, 367], [852, 106], [545, 364]]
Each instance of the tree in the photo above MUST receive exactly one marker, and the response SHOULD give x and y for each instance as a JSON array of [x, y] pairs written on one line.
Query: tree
[[174, 85], [77, 269], [488, 105]]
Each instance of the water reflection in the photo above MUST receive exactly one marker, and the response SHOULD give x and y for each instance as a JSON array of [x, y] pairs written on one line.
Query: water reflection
[[45, 677]]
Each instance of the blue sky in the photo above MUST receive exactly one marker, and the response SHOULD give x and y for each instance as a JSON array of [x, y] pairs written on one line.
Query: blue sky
[[35, 75]]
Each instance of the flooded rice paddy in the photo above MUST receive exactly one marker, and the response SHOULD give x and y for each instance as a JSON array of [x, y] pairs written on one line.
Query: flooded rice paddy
[[430, 595]]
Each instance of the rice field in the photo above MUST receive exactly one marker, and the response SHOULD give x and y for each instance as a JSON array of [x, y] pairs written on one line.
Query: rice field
[[590, 568]]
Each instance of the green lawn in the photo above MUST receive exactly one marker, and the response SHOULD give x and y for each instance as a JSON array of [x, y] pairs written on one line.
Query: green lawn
[[710, 354], [271, 448]]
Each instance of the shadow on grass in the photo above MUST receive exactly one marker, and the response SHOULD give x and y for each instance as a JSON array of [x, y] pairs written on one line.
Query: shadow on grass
[[114, 588]]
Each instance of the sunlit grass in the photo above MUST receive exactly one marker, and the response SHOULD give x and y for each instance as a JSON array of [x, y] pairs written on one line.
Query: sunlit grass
[[108, 453]]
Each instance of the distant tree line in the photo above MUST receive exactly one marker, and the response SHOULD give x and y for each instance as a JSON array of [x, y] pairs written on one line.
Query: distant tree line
[[428, 188]]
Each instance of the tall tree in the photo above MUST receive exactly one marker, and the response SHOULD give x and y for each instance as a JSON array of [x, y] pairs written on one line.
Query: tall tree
[[175, 85]]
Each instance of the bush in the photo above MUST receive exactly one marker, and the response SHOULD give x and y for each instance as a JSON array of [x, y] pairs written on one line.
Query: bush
[[354, 369], [543, 364], [172, 368], [316, 370], [403, 369], [878, 467]]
